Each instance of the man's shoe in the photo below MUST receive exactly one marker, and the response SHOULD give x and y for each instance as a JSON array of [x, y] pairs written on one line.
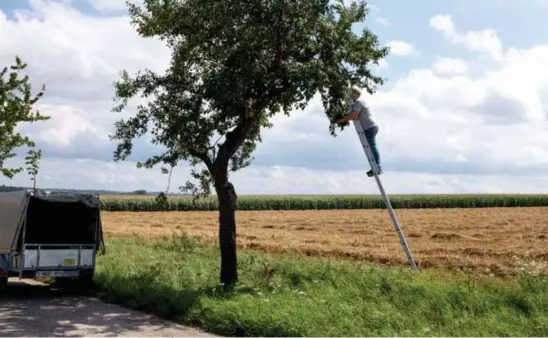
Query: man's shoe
[[370, 172]]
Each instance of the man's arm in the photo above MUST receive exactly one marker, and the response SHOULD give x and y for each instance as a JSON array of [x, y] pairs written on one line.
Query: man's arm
[[352, 114]]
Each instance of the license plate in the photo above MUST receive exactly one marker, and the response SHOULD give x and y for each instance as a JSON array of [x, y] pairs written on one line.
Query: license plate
[[57, 273], [69, 261]]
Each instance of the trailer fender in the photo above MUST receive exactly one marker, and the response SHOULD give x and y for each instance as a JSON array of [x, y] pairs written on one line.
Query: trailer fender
[[4, 259]]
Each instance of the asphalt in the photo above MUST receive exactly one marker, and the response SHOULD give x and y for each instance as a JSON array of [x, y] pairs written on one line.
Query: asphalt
[[31, 309]]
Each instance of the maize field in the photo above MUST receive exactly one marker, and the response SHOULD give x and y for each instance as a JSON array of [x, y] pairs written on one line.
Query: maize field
[[321, 202]]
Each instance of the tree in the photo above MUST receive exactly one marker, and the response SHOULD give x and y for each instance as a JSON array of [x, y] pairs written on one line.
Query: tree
[[32, 160], [168, 172], [234, 65], [16, 106]]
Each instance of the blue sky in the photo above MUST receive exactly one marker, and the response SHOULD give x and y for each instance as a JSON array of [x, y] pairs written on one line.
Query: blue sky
[[464, 108]]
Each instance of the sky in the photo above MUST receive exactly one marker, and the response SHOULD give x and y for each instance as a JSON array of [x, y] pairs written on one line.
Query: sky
[[464, 108]]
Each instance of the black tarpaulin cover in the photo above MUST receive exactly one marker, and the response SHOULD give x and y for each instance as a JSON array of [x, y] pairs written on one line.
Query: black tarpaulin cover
[[76, 214]]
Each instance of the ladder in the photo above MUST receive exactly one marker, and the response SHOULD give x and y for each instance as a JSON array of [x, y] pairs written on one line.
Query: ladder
[[375, 169]]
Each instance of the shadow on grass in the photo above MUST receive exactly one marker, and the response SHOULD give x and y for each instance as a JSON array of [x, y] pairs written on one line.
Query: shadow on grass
[[144, 293], [283, 296]]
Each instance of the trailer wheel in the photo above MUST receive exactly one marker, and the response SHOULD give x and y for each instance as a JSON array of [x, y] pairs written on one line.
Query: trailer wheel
[[3, 284]]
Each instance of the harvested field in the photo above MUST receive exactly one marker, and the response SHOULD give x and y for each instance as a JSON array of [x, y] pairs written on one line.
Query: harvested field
[[490, 240]]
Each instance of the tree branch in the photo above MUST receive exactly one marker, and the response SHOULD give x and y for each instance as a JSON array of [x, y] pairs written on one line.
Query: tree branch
[[234, 140], [204, 158]]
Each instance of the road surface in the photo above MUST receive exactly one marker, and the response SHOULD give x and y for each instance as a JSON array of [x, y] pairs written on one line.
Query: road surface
[[33, 309]]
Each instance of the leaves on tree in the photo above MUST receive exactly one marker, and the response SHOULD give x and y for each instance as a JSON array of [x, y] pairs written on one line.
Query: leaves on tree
[[235, 64], [16, 106]]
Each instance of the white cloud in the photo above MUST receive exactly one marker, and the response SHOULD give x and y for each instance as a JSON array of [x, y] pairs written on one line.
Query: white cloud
[[65, 124], [441, 130], [443, 23], [111, 5], [69, 47], [78, 57], [383, 64], [400, 48], [484, 41], [450, 66]]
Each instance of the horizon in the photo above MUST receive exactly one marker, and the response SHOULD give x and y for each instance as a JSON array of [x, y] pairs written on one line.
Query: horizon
[[154, 193]]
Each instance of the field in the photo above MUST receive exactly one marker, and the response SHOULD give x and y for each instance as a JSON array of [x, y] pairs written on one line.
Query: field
[[494, 240], [333, 266], [321, 202]]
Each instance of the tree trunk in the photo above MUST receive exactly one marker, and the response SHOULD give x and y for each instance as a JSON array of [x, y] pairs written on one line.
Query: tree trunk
[[227, 233]]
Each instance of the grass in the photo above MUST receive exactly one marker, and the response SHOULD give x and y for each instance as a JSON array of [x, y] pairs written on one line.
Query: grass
[[176, 278], [324, 202]]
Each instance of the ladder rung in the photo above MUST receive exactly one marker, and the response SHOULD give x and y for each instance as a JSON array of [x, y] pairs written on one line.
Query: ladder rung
[[374, 167]]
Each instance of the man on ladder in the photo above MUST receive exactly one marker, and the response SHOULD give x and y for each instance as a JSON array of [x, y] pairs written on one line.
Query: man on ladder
[[359, 110], [367, 130]]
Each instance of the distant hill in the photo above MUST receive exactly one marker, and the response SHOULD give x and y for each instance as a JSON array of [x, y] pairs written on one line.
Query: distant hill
[[8, 188]]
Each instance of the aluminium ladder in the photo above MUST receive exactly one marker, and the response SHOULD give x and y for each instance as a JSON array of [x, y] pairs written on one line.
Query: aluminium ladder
[[375, 169]]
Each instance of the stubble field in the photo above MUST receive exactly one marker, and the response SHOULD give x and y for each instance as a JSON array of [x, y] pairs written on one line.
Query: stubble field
[[500, 241]]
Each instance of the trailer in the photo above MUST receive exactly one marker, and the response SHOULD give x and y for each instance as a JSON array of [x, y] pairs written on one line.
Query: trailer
[[49, 234]]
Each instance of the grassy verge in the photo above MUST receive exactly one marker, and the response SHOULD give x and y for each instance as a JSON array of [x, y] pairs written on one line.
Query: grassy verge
[[289, 296]]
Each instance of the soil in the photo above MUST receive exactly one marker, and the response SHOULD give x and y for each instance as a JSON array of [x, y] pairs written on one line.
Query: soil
[[499, 241]]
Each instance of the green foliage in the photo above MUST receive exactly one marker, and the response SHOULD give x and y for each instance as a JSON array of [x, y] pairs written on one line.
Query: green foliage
[[16, 106], [161, 201], [32, 160], [329, 202], [235, 64], [295, 296]]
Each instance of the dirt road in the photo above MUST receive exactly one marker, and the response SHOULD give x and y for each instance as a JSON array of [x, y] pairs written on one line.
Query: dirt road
[[32, 309]]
